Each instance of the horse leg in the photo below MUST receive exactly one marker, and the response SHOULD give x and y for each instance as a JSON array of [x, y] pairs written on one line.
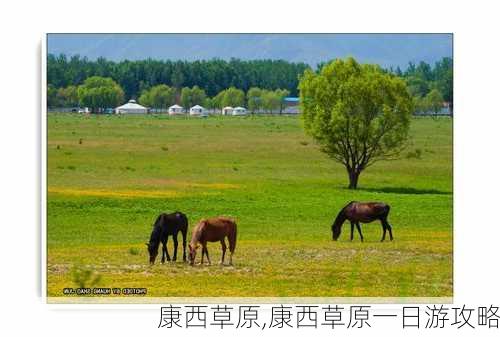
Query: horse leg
[[352, 230], [176, 243], [384, 227], [232, 245], [388, 228], [184, 246], [206, 253], [166, 248], [163, 251], [223, 244], [202, 254], [359, 230]]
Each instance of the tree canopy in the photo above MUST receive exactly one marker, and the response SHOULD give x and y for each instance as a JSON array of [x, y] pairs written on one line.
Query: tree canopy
[[357, 113], [422, 79], [100, 92], [254, 100], [192, 96], [158, 97], [212, 76], [231, 97]]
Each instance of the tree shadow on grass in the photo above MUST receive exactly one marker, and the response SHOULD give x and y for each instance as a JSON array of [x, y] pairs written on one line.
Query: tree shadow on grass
[[404, 190]]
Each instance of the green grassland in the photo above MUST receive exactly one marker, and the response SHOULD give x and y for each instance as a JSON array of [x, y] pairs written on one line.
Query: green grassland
[[110, 176]]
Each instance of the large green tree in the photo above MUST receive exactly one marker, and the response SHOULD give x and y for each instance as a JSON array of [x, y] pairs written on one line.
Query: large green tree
[[192, 96], [218, 100], [198, 96], [282, 93], [68, 97], [254, 99], [52, 100], [159, 97], [270, 100], [233, 97], [358, 113], [434, 101], [210, 103], [100, 93]]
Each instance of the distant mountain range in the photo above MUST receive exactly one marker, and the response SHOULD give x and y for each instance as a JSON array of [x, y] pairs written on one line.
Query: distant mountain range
[[384, 49]]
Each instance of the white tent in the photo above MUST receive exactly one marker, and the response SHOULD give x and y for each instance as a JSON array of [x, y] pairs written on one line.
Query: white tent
[[131, 108], [239, 111], [175, 110], [227, 110], [198, 110]]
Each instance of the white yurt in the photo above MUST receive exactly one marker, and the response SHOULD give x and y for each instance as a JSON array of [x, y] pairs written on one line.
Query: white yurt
[[176, 110], [131, 107], [239, 111], [198, 110], [227, 110]]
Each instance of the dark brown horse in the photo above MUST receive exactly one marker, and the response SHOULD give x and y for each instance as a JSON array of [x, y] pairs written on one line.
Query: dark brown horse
[[165, 225], [364, 212], [212, 230]]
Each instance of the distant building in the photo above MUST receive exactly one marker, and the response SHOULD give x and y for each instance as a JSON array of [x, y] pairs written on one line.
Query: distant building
[[291, 105], [176, 110], [227, 110], [239, 111], [198, 110], [131, 108], [446, 110]]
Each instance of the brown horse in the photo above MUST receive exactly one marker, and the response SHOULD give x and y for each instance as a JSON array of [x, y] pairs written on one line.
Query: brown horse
[[212, 230], [364, 212]]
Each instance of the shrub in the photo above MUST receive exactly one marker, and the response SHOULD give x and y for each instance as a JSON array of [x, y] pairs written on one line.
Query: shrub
[[85, 277], [417, 154]]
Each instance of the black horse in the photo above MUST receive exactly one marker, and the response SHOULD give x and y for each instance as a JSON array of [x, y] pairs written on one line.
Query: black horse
[[365, 212], [165, 225]]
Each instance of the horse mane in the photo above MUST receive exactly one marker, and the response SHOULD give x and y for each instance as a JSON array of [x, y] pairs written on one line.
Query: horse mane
[[341, 217], [158, 221], [197, 231], [154, 239]]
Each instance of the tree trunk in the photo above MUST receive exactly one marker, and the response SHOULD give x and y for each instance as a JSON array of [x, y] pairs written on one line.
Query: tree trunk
[[353, 179]]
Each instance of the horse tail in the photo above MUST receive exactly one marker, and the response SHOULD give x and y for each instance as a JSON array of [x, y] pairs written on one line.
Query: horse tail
[[387, 208], [184, 223], [232, 238]]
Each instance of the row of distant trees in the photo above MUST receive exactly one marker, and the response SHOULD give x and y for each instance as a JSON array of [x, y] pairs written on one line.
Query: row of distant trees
[[429, 86], [99, 92], [162, 96], [213, 76], [257, 84], [96, 93]]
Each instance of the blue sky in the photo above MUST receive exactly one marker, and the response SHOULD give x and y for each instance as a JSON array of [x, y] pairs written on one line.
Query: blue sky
[[384, 49]]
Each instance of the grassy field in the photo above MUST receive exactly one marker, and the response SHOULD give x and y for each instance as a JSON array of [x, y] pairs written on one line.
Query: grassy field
[[110, 176]]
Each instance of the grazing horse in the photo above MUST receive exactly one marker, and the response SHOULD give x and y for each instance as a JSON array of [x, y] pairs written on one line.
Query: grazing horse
[[212, 230], [165, 225], [364, 212]]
